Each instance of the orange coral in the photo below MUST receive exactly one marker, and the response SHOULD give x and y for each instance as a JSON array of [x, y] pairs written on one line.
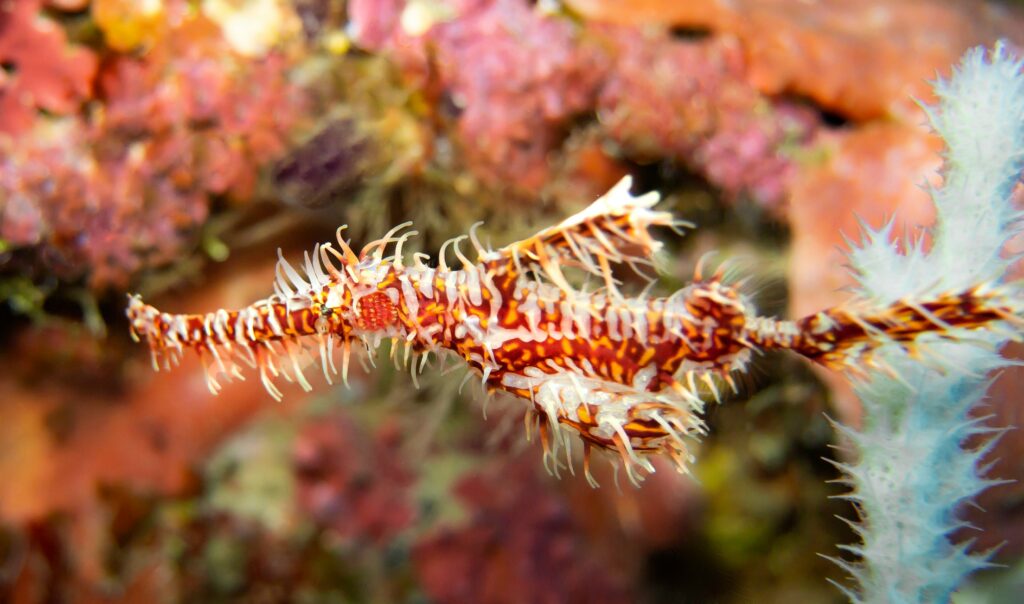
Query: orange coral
[[864, 59], [128, 25]]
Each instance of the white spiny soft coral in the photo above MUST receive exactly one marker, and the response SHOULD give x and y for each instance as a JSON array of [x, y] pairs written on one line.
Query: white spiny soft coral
[[911, 471]]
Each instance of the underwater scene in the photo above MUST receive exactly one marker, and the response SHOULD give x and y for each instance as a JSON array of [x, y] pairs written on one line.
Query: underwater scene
[[511, 301]]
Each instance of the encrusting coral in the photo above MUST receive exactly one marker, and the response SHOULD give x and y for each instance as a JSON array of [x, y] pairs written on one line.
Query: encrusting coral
[[127, 185], [541, 73], [39, 69]]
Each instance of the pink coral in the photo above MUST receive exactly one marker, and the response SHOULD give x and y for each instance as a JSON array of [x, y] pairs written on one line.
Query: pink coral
[[863, 58], [129, 187], [507, 78], [689, 101], [38, 69], [353, 483], [530, 75], [509, 81], [520, 544]]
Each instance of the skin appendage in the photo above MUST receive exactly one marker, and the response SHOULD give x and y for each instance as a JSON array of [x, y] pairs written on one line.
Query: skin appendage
[[619, 373]]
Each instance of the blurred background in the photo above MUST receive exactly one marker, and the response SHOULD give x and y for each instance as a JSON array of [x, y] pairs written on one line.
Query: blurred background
[[169, 148]]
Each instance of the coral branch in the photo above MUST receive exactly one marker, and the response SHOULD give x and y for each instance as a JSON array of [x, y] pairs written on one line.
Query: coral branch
[[912, 470]]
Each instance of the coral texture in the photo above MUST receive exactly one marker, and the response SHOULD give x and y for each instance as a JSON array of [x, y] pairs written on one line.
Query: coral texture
[[104, 195], [133, 132], [519, 545], [914, 467], [509, 81], [38, 68], [862, 58], [353, 483]]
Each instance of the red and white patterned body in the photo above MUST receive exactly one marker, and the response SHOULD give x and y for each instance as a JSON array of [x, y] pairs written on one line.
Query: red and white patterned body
[[627, 374]]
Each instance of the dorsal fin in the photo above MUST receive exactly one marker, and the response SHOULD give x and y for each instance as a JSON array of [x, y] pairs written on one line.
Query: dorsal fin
[[612, 230]]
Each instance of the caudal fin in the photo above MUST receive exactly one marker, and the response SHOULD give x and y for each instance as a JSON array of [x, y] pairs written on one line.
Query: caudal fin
[[846, 337]]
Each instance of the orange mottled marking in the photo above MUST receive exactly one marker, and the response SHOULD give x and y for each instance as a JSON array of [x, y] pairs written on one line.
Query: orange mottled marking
[[377, 311], [835, 346]]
